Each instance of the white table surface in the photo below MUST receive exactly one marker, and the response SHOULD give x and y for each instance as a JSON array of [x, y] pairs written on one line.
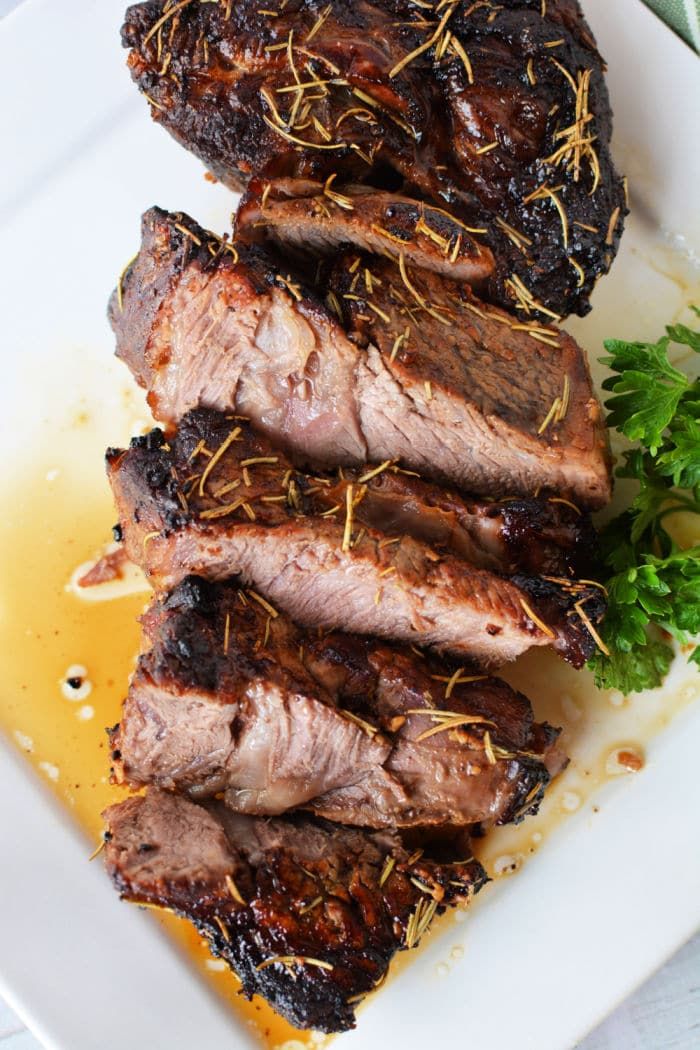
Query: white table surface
[[664, 1014]]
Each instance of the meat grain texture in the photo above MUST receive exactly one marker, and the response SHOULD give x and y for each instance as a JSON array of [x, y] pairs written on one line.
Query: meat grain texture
[[218, 500], [230, 699], [419, 371]]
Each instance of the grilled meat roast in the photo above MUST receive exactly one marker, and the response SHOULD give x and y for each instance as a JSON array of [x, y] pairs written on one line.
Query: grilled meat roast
[[409, 170], [307, 914], [424, 372], [497, 112], [229, 698], [217, 499]]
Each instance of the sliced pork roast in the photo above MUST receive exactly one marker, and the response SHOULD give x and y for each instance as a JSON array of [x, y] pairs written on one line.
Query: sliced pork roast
[[308, 915], [498, 111], [316, 218], [216, 499], [428, 375], [230, 698]]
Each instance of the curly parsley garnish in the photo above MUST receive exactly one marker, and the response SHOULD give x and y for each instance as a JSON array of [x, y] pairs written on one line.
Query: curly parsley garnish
[[654, 587]]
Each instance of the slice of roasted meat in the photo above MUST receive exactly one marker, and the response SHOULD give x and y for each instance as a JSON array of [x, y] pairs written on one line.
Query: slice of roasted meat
[[311, 218], [425, 373], [498, 111], [308, 915], [216, 499], [229, 698]]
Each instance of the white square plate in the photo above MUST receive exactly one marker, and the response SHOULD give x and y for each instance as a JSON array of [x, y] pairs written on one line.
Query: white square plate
[[610, 895]]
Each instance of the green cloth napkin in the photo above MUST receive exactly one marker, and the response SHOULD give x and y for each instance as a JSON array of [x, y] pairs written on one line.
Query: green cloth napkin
[[681, 15]]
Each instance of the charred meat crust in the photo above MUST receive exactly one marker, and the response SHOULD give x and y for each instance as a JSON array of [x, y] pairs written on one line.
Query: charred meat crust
[[308, 915], [229, 699], [515, 107], [218, 499], [203, 322]]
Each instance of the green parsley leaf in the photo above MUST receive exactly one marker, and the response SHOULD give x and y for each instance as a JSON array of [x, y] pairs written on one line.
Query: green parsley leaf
[[680, 333], [648, 389], [681, 459], [652, 494], [652, 584], [616, 547], [681, 574], [644, 667]]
